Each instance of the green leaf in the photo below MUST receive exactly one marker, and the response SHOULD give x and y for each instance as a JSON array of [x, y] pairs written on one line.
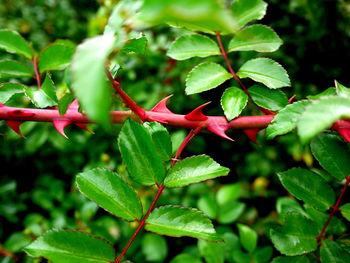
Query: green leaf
[[342, 91], [266, 71], [7, 90], [255, 38], [211, 252], [309, 187], [44, 97], [194, 45], [89, 79], [345, 211], [12, 42], [321, 115], [154, 248], [207, 204], [296, 237], [161, 139], [228, 193], [206, 16], [268, 99], [246, 11], [140, 154], [12, 68], [332, 154], [286, 119], [180, 221], [230, 212], [110, 192], [181, 258], [331, 252], [263, 254], [296, 259], [194, 170], [233, 101], [204, 77], [65, 102], [248, 237], [55, 57], [71, 247], [329, 91], [136, 45]]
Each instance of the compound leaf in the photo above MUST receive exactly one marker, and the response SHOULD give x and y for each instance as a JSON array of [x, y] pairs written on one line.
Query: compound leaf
[[266, 71], [110, 192], [13, 42], [233, 101], [180, 221], [204, 77], [309, 187], [71, 247], [193, 170], [193, 46], [255, 38], [140, 154]]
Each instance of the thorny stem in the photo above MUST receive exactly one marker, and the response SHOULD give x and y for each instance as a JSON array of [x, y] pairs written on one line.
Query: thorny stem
[[334, 209], [142, 222], [37, 74]]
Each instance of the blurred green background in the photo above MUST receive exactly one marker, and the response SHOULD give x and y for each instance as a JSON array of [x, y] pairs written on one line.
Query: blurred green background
[[37, 173]]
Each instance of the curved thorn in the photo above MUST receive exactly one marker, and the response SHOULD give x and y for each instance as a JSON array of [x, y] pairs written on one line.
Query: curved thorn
[[197, 114], [14, 125], [2, 105], [344, 133], [290, 100], [74, 105], [157, 119], [60, 124], [251, 133], [161, 106], [220, 130], [84, 126]]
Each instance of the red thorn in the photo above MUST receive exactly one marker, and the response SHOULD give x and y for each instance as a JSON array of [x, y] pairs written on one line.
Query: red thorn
[[344, 133], [14, 125], [157, 119], [161, 106], [290, 100], [220, 130], [266, 111], [251, 133], [84, 127], [197, 114], [60, 124], [2, 105], [20, 113], [74, 105]]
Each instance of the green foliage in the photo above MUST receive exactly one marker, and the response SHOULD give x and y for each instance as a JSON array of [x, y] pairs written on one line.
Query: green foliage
[[12, 42], [233, 102], [246, 11], [268, 99], [56, 56], [12, 68]]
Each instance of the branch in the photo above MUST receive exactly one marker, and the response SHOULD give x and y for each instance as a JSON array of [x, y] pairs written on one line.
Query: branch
[[37, 74]]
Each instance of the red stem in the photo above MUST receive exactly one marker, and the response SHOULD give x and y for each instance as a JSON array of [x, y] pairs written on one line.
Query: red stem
[[37, 74], [334, 209], [224, 54]]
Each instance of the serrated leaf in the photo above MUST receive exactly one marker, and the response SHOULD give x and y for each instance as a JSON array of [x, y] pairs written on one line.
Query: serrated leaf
[[55, 57], [44, 97], [296, 237], [255, 38], [327, 92], [206, 16], [194, 170], [342, 91], [321, 115], [332, 154], [71, 247], [246, 11], [136, 45], [12, 68], [309, 187], [180, 221], [65, 102], [233, 101], [140, 154], [345, 211], [266, 71], [194, 45], [89, 79], [66, 42], [295, 259], [248, 237], [161, 139], [331, 252], [110, 192], [268, 99], [204, 77], [211, 252], [286, 119], [12, 42], [7, 90]]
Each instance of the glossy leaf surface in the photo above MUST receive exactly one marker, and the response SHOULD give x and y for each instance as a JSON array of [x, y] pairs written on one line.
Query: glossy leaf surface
[[248, 237], [12, 68], [345, 211], [55, 57], [246, 11], [331, 252], [7, 90], [233, 101], [180, 221], [110, 192], [268, 99], [161, 139], [12, 42]]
